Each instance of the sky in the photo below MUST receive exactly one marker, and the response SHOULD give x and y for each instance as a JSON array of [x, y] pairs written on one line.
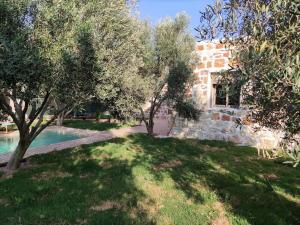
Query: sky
[[154, 10]]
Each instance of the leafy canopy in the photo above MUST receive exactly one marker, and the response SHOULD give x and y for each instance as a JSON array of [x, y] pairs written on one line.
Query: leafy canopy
[[55, 51]]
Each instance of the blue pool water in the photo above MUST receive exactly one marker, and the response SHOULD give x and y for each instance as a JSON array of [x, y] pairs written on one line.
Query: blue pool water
[[9, 143]]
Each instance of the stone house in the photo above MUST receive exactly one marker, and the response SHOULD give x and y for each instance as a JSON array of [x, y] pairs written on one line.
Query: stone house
[[220, 111]]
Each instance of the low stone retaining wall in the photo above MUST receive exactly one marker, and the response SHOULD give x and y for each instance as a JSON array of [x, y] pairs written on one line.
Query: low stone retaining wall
[[221, 124]]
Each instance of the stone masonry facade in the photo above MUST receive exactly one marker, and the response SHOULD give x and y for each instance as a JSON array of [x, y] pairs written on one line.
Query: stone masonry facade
[[220, 122]]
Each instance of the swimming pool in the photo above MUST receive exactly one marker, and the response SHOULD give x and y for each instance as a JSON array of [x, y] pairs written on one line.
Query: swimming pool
[[9, 143]]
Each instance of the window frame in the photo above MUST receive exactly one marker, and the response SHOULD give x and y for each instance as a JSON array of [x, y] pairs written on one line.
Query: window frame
[[215, 77]]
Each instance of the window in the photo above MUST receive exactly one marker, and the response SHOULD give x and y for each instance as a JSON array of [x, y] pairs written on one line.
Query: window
[[226, 96], [220, 95]]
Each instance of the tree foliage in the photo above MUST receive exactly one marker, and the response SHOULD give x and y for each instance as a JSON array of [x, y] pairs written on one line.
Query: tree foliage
[[264, 36], [151, 68], [121, 51], [167, 73], [53, 51]]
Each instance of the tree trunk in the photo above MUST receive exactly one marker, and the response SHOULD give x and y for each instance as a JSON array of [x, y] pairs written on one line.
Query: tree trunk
[[150, 126], [60, 119], [27, 131], [15, 159], [173, 119]]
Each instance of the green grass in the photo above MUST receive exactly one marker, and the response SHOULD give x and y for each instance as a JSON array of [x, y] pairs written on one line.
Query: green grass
[[92, 125], [143, 180]]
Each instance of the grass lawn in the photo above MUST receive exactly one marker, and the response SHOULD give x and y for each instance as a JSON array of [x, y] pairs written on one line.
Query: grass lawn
[[143, 180], [92, 125]]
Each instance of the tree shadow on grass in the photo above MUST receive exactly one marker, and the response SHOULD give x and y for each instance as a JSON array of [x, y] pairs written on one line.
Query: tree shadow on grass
[[73, 187], [252, 189], [96, 184]]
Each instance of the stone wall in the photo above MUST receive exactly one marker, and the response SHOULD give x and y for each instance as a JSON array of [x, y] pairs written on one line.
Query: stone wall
[[220, 123], [163, 113], [213, 57]]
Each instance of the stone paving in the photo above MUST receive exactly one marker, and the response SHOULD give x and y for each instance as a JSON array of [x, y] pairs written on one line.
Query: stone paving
[[88, 137]]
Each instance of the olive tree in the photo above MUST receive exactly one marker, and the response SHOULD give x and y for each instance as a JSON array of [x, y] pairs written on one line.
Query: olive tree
[[81, 66], [167, 72], [121, 54], [154, 68], [47, 54], [23, 74]]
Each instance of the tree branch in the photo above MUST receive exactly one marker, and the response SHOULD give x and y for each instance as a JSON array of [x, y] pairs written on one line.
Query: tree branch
[[8, 109], [33, 115], [38, 131], [143, 116]]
